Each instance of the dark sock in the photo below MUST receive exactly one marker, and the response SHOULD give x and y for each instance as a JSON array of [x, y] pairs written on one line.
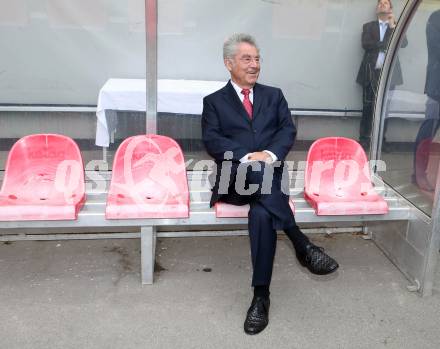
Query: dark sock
[[261, 291], [299, 240]]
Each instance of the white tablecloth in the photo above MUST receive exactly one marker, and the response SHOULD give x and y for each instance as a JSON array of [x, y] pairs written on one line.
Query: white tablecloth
[[173, 96], [406, 101]]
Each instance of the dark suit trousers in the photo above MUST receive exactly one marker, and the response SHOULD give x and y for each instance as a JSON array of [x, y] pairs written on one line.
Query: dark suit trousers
[[269, 211], [368, 100], [369, 96]]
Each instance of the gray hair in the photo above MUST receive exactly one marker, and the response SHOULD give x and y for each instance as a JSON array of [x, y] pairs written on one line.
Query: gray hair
[[230, 45]]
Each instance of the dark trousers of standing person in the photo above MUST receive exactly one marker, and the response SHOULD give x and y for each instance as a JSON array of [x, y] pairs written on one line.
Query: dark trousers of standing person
[[269, 212], [368, 99]]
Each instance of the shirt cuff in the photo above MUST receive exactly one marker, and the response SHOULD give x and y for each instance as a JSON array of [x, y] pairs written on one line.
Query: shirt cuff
[[245, 158], [272, 155]]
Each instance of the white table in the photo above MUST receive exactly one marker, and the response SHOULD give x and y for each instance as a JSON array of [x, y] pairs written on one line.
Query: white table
[[410, 105], [173, 96]]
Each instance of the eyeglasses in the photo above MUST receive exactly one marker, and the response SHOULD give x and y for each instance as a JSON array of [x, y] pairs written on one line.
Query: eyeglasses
[[249, 59]]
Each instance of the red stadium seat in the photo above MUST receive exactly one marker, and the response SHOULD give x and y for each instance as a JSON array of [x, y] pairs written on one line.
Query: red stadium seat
[[224, 210], [148, 180], [44, 180], [337, 179]]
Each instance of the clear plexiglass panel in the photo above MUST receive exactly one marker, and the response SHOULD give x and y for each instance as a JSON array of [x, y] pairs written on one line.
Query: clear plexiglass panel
[[410, 141]]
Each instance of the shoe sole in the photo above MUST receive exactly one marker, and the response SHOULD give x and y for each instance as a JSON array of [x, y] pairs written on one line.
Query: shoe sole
[[251, 333], [318, 273], [325, 272]]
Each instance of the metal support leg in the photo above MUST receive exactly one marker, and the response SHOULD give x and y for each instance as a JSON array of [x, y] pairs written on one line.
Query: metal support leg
[[148, 250], [104, 154]]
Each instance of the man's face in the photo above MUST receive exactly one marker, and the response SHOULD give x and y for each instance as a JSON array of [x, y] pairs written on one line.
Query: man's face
[[383, 6], [244, 66]]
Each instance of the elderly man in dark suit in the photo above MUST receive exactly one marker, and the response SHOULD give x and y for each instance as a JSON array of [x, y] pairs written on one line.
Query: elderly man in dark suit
[[375, 39], [247, 128]]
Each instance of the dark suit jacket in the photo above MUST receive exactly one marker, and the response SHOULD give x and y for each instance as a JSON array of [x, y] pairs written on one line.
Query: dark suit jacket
[[227, 127], [372, 45], [432, 85]]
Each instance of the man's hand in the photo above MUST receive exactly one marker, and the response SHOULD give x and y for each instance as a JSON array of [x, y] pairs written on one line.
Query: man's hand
[[260, 156], [391, 20]]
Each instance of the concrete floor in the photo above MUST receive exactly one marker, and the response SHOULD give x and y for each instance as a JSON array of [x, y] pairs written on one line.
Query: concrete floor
[[87, 294]]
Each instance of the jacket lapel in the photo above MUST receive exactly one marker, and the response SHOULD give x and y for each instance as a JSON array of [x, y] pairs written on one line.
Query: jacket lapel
[[258, 96], [376, 31], [388, 33], [235, 101]]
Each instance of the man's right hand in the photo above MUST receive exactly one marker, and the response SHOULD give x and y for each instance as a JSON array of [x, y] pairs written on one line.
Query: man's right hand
[[260, 156]]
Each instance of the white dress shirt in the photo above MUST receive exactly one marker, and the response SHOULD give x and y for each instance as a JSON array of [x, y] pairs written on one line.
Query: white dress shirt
[[381, 57], [238, 89]]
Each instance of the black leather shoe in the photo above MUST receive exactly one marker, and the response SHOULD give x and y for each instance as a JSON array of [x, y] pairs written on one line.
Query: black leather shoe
[[317, 261], [257, 316]]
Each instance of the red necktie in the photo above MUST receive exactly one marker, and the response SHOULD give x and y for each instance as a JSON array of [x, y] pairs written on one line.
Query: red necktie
[[247, 102]]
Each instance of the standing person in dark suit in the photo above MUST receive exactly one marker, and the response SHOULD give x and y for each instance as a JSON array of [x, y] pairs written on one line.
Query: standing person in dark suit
[[247, 128], [375, 38], [431, 123], [432, 84]]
